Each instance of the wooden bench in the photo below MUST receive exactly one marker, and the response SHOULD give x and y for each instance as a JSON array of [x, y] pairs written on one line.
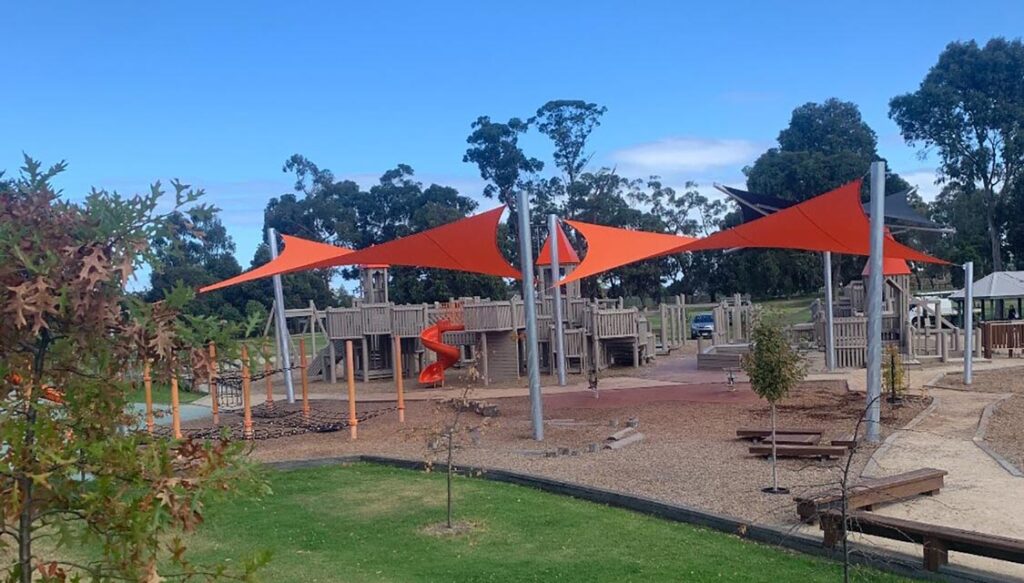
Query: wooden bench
[[818, 451], [937, 540], [793, 439], [761, 433], [867, 493], [846, 441]]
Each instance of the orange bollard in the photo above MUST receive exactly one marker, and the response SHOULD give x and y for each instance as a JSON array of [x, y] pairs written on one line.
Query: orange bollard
[[246, 401], [175, 406], [399, 382], [350, 377], [268, 375], [213, 384], [147, 383], [303, 367]]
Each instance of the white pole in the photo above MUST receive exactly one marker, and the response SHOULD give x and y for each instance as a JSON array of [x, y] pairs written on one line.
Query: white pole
[[969, 322], [556, 297], [875, 281], [530, 312], [280, 322], [830, 339]]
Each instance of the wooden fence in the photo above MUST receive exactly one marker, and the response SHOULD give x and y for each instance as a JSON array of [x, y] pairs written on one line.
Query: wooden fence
[[1002, 336]]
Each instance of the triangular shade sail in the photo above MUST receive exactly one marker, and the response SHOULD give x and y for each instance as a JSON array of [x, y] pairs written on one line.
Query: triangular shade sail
[[834, 221], [298, 255], [566, 254], [898, 211], [890, 267], [611, 247], [469, 244]]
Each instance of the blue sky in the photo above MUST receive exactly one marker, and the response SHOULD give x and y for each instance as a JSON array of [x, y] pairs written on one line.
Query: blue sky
[[219, 94]]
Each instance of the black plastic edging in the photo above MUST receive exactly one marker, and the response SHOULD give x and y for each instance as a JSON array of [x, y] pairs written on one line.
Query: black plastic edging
[[883, 560]]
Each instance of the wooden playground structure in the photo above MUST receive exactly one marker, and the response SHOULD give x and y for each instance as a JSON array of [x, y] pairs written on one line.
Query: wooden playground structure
[[916, 325], [389, 337]]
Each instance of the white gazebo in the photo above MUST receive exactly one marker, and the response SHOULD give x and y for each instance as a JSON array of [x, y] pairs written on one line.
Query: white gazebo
[[1004, 290]]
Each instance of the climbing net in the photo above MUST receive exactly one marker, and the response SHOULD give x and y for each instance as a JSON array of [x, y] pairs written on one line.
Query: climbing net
[[270, 420]]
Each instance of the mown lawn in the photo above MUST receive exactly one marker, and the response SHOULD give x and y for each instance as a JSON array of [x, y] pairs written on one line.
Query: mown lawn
[[162, 395], [793, 310], [367, 523]]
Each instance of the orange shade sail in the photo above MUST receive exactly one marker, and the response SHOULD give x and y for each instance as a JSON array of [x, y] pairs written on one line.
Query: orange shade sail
[[611, 247], [298, 255], [566, 254], [469, 244], [834, 221]]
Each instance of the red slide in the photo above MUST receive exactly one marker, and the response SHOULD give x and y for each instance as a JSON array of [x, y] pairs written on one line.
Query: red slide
[[447, 355]]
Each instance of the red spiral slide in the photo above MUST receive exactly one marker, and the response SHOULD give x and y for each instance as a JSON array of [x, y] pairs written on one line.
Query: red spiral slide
[[447, 355]]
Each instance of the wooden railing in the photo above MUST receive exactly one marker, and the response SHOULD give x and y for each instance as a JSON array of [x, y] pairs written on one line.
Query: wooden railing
[[1002, 335], [376, 318], [616, 323], [487, 317], [408, 321]]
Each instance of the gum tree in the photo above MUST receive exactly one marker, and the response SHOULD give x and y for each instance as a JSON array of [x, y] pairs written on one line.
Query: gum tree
[[74, 481]]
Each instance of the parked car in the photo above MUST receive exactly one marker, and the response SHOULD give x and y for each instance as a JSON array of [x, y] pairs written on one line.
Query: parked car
[[920, 315], [702, 325]]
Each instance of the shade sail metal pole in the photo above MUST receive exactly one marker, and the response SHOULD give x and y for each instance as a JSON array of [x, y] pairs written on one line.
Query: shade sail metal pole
[[283, 341], [830, 338], [876, 280], [556, 297], [969, 322], [530, 312]]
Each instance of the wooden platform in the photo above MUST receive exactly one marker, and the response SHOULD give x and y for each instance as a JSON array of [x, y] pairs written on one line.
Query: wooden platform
[[793, 439]]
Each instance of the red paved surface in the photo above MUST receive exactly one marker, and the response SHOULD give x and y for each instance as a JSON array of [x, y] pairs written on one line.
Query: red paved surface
[[703, 393]]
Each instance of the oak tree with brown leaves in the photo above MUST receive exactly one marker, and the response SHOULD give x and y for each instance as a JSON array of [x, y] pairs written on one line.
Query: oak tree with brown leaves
[[76, 480]]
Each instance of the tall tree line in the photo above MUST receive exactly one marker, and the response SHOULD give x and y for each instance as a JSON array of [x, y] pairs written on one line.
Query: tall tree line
[[968, 112]]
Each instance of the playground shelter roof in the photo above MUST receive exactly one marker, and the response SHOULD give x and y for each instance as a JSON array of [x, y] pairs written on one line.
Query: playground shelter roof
[[566, 254], [611, 247], [468, 244]]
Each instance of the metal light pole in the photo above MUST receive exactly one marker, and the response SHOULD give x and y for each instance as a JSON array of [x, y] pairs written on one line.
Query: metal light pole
[[830, 340], [280, 322], [530, 311], [968, 322], [556, 297], [875, 283]]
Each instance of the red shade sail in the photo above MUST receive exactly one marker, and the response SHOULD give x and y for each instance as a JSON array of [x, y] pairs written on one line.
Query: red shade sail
[[469, 244], [611, 247], [566, 254], [298, 255], [834, 221]]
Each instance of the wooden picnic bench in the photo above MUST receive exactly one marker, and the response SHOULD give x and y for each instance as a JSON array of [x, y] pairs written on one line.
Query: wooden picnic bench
[[818, 451], [793, 439], [761, 433], [937, 540], [867, 493]]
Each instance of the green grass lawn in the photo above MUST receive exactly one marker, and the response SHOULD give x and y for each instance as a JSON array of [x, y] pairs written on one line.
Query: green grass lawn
[[366, 523], [162, 395], [792, 311]]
